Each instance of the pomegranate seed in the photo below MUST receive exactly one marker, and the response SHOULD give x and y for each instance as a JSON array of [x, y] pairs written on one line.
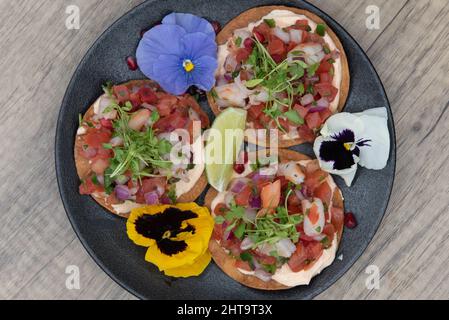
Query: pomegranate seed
[[132, 63], [259, 36], [239, 168], [248, 43], [216, 25], [350, 220]]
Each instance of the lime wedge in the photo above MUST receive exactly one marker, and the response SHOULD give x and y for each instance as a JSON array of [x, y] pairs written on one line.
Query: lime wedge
[[223, 145]]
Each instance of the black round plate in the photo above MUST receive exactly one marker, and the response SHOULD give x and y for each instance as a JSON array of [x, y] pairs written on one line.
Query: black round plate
[[104, 235]]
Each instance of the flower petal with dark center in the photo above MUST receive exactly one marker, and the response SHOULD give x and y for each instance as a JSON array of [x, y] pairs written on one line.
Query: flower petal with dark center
[[334, 151]]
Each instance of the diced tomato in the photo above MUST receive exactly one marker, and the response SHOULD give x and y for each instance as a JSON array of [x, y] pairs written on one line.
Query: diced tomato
[[220, 209], [256, 111], [242, 198], [243, 265], [106, 123], [293, 200], [99, 166], [104, 153], [245, 75], [166, 105], [264, 259], [171, 122], [276, 46], [218, 232], [271, 195], [96, 139], [325, 114], [302, 111], [329, 231], [326, 90], [242, 55], [147, 95], [298, 260], [302, 23], [314, 251], [323, 192], [324, 67], [153, 184], [294, 209], [325, 77], [306, 133], [284, 182], [233, 245], [88, 187], [315, 179], [89, 153], [262, 32], [112, 199], [313, 120], [291, 45], [135, 100], [338, 218], [315, 38], [314, 214], [285, 123], [122, 93]]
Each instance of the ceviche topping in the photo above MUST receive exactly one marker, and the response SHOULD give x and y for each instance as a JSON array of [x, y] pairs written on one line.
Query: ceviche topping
[[130, 148], [284, 76], [268, 221]]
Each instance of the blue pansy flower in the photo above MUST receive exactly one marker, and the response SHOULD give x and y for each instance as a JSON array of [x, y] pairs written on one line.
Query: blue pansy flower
[[179, 53]]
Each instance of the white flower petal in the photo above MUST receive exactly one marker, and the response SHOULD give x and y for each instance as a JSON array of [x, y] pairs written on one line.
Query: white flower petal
[[376, 129], [341, 121]]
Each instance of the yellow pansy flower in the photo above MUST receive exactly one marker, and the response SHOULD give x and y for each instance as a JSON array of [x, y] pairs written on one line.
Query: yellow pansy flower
[[177, 237]]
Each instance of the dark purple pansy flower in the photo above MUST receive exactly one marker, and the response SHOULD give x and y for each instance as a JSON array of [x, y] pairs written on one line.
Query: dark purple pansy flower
[[179, 53]]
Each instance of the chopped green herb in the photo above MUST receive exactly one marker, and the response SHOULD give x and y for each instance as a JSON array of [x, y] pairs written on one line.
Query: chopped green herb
[[270, 22], [321, 30], [270, 268], [327, 50], [238, 41], [235, 74], [254, 83], [107, 88], [107, 146], [214, 94], [172, 194], [294, 117], [219, 219], [155, 116], [240, 231], [95, 180], [311, 70]]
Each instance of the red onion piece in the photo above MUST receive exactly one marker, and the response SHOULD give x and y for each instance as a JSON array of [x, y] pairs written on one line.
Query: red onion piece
[[307, 99], [285, 248], [323, 102], [255, 202], [228, 78], [116, 141], [296, 36], [335, 55], [317, 109], [299, 194], [165, 200], [281, 34], [250, 214], [238, 185], [246, 244], [89, 153], [100, 180], [122, 192], [151, 198], [263, 275]]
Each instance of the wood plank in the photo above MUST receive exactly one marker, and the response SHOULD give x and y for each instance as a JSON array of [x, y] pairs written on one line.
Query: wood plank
[[39, 57], [410, 247]]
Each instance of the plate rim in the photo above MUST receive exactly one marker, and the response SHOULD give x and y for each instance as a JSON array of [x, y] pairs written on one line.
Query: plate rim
[[91, 252]]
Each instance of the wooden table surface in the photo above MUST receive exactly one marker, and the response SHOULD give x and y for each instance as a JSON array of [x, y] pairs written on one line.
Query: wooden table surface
[[39, 55]]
